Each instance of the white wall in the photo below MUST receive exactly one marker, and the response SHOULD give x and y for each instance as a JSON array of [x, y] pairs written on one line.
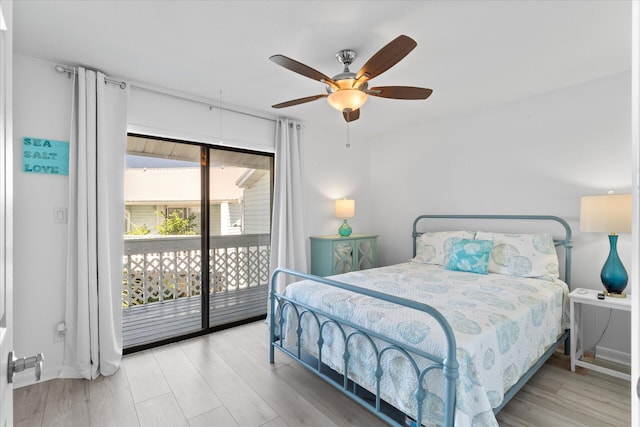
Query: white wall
[[333, 171], [535, 156], [158, 113], [41, 110]]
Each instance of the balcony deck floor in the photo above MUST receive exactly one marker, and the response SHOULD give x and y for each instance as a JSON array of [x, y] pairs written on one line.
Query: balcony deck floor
[[144, 324]]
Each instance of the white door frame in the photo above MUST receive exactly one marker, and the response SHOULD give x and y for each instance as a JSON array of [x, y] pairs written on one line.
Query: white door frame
[[635, 224], [6, 209]]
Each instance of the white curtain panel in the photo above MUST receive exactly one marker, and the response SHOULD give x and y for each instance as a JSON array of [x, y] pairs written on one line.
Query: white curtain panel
[[288, 241], [93, 313]]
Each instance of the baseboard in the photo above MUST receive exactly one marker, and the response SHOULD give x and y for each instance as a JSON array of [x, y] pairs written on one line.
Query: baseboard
[[613, 356], [28, 377]]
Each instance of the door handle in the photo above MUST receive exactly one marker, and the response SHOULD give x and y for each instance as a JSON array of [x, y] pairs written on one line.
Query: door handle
[[18, 365]]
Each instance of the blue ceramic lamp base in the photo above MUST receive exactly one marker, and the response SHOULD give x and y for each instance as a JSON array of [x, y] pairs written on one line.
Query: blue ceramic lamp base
[[344, 230], [614, 276]]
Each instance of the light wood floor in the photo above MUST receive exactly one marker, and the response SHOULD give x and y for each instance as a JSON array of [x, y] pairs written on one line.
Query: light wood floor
[[225, 379]]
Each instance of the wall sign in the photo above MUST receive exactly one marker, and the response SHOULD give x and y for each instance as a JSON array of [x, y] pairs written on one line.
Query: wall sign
[[45, 156]]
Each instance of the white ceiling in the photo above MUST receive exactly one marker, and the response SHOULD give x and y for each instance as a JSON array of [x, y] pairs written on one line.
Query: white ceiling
[[473, 54]]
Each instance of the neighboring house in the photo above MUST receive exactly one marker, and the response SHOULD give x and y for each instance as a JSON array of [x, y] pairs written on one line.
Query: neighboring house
[[256, 185], [237, 196]]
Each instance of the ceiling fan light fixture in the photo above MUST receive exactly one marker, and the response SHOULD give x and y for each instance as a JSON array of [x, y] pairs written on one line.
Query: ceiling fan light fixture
[[347, 99], [347, 91]]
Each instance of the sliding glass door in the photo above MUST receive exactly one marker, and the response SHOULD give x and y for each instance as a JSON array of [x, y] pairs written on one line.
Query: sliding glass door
[[240, 188], [196, 239]]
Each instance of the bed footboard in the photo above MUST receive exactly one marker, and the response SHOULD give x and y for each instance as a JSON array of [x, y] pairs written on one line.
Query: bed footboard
[[282, 306]]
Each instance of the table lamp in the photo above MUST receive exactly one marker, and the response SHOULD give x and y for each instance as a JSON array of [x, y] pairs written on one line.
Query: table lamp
[[345, 208], [611, 214]]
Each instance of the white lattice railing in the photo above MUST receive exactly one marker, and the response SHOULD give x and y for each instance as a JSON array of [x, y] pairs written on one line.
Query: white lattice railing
[[162, 268]]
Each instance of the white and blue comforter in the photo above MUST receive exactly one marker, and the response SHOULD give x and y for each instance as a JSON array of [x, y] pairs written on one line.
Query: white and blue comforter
[[502, 324]]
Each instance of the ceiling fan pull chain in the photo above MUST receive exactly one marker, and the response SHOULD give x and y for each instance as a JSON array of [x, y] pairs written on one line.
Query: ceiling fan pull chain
[[348, 144], [220, 115]]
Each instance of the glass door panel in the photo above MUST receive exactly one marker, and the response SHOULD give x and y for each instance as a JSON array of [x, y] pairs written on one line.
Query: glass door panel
[[342, 257], [240, 191], [162, 272], [366, 254]]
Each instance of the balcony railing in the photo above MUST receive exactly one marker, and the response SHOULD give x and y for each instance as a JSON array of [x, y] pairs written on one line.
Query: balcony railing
[[162, 283]]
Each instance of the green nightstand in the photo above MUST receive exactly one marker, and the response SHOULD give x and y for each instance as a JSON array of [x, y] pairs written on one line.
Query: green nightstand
[[335, 254]]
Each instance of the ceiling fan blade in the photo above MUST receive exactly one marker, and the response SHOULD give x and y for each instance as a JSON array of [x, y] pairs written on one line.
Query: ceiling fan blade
[[400, 92], [351, 115], [298, 101], [300, 68], [386, 58]]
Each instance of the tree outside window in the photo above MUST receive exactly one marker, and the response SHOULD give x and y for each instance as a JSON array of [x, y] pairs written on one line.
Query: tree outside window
[[176, 224]]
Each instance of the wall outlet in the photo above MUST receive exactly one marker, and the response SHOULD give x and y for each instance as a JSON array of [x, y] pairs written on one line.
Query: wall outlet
[[59, 215], [58, 332]]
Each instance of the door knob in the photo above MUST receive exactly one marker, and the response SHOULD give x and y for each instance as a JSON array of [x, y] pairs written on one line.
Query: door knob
[[18, 365]]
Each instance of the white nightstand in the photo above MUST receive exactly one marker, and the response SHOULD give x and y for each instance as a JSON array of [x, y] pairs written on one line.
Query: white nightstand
[[578, 298]]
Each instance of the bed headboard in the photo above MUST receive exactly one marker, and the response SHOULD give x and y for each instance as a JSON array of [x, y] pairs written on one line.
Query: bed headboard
[[566, 242]]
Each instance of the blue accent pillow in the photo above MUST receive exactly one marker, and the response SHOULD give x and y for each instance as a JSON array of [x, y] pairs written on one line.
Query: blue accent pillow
[[470, 255]]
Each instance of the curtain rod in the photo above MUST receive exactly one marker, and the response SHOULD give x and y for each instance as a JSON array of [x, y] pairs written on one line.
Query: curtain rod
[[122, 84], [197, 101], [70, 71]]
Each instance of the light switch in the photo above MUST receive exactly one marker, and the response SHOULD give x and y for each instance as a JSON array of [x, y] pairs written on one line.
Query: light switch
[[59, 215]]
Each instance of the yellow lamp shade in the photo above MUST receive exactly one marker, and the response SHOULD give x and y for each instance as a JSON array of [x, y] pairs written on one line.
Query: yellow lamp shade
[[609, 213], [345, 208]]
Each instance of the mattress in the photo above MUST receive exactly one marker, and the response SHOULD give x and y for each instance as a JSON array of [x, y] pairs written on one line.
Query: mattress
[[502, 325]]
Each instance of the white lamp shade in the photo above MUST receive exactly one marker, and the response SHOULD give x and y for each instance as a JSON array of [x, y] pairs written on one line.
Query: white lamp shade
[[345, 208], [609, 213]]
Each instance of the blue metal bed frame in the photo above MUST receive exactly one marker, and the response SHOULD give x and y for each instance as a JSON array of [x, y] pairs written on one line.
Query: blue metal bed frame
[[448, 365]]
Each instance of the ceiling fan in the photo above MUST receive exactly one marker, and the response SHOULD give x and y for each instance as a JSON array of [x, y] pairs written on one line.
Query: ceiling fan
[[347, 91]]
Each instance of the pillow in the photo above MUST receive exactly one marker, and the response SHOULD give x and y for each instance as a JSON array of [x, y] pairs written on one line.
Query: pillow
[[470, 255], [435, 247], [523, 255]]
